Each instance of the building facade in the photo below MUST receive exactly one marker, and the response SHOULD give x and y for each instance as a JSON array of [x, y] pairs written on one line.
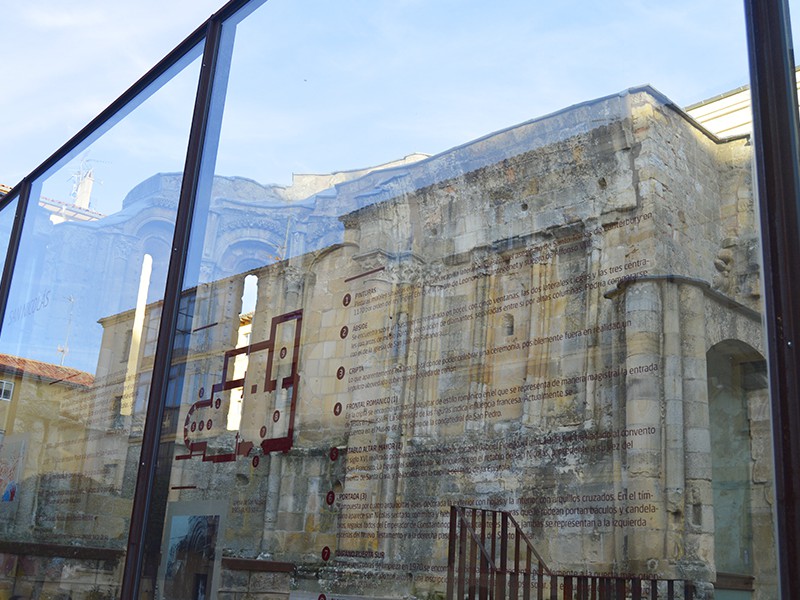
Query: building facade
[[560, 322]]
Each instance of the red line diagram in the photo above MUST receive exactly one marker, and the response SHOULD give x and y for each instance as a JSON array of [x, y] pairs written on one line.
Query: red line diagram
[[268, 391]]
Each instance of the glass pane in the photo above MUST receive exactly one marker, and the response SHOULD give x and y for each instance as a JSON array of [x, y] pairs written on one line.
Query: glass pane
[[529, 358], [82, 311]]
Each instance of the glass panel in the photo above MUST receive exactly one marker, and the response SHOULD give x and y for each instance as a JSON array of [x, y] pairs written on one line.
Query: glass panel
[[74, 363], [533, 362]]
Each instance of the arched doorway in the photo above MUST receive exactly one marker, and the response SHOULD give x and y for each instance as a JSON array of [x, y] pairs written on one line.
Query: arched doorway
[[737, 394]]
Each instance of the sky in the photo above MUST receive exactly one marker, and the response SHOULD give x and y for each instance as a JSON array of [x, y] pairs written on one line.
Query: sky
[[320, 86]]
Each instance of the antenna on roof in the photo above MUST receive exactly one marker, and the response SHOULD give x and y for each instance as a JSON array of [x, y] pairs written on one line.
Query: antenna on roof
[[83, 181]]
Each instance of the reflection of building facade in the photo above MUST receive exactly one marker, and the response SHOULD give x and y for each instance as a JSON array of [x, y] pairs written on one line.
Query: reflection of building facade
[[559, 320], [46, 481]]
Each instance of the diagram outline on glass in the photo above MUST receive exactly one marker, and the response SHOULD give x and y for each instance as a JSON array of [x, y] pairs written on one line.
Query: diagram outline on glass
[[277, 392]]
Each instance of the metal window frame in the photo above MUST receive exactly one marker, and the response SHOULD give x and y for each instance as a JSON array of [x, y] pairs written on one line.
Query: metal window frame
[[151, 436], [775, 136], [203, 139]]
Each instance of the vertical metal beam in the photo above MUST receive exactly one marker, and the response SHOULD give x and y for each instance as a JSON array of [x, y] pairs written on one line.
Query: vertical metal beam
[[540, 582], [451, 554], [620, 588], [502, 571], [636, 588], [13, 246], [462, 553], [484, 579], [473, 556], [688, 590], [526, 580], [143, 494], [514, 591], [774, 101], [567, 582]]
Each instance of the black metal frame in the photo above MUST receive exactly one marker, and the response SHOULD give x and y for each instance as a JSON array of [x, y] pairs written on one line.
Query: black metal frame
[[775, 124], [201, 152], [24, 191], [151, 436], [775, 128]]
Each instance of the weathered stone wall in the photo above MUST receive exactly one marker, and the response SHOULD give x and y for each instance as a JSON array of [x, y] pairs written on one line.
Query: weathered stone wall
[[534, 340], [519, 324]]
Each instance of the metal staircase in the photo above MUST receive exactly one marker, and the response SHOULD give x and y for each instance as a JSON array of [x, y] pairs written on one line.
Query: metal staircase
[[491, 558]]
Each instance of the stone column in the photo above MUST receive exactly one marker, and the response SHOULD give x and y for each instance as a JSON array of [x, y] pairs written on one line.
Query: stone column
[[674, 447], [697, 558], [641, 493], [272, 542]]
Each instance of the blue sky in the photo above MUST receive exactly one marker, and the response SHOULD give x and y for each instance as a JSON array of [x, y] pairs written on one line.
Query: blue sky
[[345, 84]]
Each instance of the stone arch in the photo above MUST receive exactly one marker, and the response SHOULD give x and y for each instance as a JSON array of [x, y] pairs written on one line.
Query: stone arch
[[246, 255], [191, 559]]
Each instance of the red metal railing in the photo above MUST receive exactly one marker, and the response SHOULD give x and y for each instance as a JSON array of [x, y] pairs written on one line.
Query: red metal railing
[[491, 558]]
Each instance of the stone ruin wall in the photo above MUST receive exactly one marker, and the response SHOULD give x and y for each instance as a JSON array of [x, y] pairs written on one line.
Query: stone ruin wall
[[495, 363], [535, 342]]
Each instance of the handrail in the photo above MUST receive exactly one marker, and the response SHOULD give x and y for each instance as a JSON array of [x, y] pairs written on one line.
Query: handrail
[[472, 533], [530, 544], [492, 579]]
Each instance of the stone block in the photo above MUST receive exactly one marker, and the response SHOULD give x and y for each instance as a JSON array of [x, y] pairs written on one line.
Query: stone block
[[270, 582], [234, 581], [698, 440]]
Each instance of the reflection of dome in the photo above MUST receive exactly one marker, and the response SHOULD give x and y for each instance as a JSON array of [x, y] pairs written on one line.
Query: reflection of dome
[[166, 187]]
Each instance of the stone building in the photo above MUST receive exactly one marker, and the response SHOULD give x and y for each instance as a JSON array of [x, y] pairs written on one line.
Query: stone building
[[560, 320]]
